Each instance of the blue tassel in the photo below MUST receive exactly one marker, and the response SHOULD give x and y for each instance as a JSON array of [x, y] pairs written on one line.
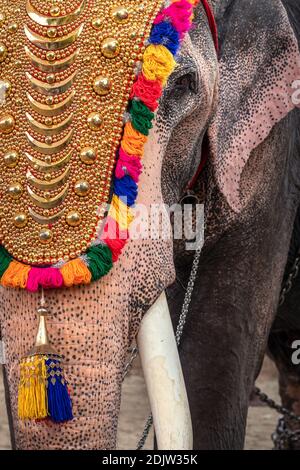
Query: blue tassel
[[59, 402], [164, 33], [126, 189]]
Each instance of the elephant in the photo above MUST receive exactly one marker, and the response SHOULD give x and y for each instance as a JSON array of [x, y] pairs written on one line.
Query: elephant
[[250, 189], [93, 325]]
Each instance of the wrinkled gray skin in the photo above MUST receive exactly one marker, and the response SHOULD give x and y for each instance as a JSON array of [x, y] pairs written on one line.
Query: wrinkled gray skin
[[242, 264]]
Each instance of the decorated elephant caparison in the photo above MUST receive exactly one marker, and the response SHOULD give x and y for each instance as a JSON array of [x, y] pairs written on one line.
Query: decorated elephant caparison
[[70, 71]]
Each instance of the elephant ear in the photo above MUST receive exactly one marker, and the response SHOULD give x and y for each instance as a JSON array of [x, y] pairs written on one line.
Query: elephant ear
[[259, 63]]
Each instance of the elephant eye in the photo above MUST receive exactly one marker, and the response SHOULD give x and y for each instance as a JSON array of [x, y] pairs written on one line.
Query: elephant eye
[[186, 83]]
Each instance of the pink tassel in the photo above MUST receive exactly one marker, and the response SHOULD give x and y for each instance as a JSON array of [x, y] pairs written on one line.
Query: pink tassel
[[179, 13], [128, 165], [44, 277]]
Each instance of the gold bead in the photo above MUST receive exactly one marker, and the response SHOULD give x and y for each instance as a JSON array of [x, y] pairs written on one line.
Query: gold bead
[[50, 56], [45, 235], [3, 52], [73, 218], [7, 123], [48, 121], [54, 10], [20, 220], [5, 85], [95, 121], [120, 14], [48, 140], [15, 190], [88, 155], [110, 48], [50, 78], [11, 158], [102, 85], [48, 177], [82, 188], [97, 23], [48, 159], [12, 27], [51, 32], [49, 100]]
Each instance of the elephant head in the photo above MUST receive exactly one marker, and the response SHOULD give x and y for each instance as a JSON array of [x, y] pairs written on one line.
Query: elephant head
[[93, 325], [251, 197]]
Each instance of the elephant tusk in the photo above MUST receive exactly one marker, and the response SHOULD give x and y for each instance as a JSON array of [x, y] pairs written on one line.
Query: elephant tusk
[[164, 379]]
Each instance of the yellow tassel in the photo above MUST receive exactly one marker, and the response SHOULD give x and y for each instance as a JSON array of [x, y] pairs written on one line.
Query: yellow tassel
[[75, 272], [16, 275], [158, 63], [120, 213], [32, 400]]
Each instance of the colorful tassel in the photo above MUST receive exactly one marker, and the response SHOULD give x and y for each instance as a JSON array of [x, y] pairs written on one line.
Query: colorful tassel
[[43, 389]]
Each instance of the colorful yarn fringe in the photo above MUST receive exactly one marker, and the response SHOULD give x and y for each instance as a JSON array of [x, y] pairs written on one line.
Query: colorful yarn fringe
[[158, 63]]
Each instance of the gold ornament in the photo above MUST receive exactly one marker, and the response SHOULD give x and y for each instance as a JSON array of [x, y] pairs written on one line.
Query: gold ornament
[[3, 52], [50, 78], [45, 235], [82, 188], [73, 219], [102, 85], [88, 155], [12, 27], [54, 11], [120, 14], [51, 32], [6, 86], [7, 123], [15, 190], [110, 48], [50, 56], [20, 220], [11, 158], [97, 23], [95, 121]]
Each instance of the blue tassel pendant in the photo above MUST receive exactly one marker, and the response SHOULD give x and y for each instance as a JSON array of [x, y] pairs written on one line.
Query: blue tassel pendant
[[59, 402]]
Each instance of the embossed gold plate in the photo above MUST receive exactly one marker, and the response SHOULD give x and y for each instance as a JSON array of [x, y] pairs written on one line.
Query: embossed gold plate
[[70, 66]]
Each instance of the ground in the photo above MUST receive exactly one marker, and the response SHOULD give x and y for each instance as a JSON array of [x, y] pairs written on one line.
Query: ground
[[135, 410]]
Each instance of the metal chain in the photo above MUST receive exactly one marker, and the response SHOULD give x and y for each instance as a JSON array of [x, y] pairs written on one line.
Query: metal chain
[[284, 438], [272, 404], [289, 282]]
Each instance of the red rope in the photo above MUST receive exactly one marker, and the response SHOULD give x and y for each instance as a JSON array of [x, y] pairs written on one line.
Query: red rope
[[205, 145], [212, 23]]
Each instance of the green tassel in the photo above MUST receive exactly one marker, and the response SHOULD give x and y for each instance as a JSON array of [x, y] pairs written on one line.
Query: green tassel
[[99, 261], [141, 117], [5, 260]]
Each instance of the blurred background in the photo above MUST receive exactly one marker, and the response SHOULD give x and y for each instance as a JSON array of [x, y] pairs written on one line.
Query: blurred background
[[135, 409]]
